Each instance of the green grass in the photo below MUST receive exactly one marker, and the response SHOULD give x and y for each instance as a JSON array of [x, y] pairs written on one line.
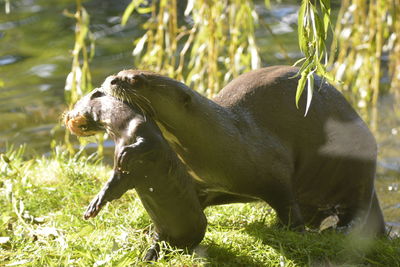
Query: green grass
[[42, 201]]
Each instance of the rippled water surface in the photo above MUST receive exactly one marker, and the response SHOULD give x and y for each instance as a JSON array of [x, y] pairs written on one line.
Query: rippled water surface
[[35, 44]]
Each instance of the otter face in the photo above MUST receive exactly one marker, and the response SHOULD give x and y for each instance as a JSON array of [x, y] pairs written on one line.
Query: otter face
[[129, 88], [151, 93], [83, 119]]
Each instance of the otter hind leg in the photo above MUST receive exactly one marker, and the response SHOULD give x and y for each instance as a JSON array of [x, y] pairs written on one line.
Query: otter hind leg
[[287, 209], [375, 223], [366, 220]]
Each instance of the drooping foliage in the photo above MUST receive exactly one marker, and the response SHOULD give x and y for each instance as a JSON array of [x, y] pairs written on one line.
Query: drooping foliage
[[313, 26], [218, 42], [368, 49], [206, 43], [79, 80], [204, 46]]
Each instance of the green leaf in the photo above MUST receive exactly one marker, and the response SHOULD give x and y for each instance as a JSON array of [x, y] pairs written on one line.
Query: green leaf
[[326, 4], [300, 87], [322, 71], [298, 61], [320, 26], [301, 32], [129, 10], [144, 10], [310, 89], [327, 22]]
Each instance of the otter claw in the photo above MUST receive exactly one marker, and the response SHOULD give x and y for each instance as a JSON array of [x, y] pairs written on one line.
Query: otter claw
[[93, 208], [152, 253]]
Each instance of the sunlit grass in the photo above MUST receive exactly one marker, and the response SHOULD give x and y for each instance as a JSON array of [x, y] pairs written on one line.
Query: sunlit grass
[[42, 201]]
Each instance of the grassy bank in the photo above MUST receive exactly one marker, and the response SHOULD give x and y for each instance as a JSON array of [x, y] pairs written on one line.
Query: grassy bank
[[42, 201]]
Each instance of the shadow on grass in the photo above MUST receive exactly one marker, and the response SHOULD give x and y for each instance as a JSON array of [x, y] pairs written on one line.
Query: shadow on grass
[[327, 249]]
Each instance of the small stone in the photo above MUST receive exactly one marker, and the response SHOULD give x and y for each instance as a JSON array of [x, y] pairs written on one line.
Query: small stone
[[151, 189]]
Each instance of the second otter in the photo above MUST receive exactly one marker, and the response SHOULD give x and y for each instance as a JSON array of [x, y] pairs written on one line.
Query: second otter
[[150, 166]]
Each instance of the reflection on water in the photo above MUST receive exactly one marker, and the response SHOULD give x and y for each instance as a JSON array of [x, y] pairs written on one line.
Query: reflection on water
[[35, 44], [36, 41]]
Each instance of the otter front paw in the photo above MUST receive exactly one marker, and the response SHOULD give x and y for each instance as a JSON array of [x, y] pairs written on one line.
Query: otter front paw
[[94, 207], [124, 158]]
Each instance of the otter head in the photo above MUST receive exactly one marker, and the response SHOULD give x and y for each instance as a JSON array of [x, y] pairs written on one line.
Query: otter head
[[83, 119], [151, 92]]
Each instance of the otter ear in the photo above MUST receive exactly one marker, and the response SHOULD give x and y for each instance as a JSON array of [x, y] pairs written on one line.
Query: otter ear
[[139, 80], [96, 93], [141, 77]]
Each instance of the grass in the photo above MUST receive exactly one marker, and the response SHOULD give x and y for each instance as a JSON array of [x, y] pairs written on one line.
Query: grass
[[42, 201]]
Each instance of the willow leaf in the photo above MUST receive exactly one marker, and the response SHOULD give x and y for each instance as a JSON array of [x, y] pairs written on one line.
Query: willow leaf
[[140, 44], [304, 66], [299, 61], [144, 10], [327, 21], [301, 33], [322, 71], [300, 87], [326, 4], [129, 10], [310, 89], [321, 33]]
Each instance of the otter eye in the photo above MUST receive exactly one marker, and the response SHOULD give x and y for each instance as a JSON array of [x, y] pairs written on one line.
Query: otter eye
[[114, 81]]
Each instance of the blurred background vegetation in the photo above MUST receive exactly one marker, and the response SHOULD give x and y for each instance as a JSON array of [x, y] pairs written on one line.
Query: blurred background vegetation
[[203, 43]]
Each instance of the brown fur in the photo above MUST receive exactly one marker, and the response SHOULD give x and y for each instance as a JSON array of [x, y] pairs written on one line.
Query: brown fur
[[252, 142]]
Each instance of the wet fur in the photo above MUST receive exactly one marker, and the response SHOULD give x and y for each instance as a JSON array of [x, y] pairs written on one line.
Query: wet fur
[[252, 142], [144, 161]]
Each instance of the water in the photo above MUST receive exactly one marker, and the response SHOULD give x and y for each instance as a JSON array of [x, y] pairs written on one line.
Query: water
[[35, 45], [36, 41]]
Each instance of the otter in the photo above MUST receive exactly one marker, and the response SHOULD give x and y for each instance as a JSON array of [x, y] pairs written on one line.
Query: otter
[[143, 160], [251, 142]]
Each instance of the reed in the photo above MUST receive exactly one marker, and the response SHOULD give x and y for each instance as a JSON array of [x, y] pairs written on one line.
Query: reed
[[216, 44], [79, 80], [368, 50]]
